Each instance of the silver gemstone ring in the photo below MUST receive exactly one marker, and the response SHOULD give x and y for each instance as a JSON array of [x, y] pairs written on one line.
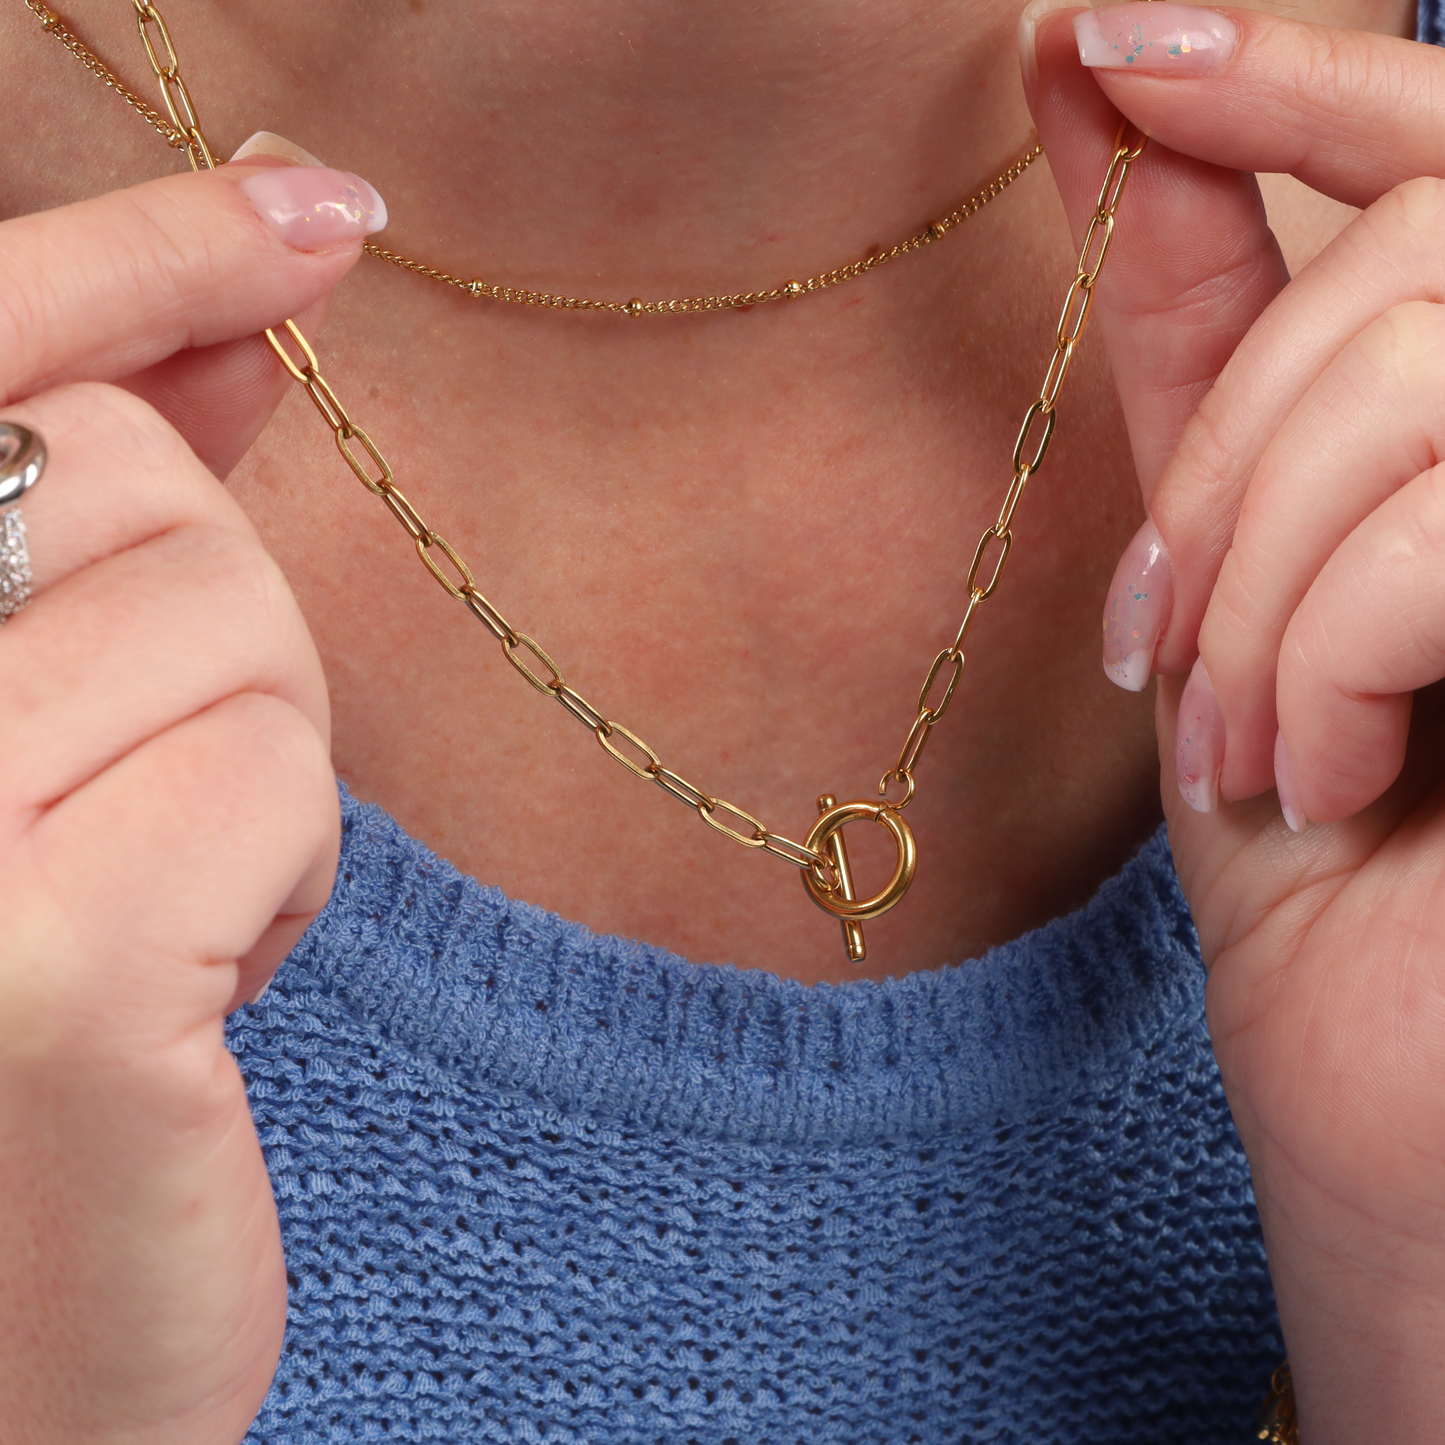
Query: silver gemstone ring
[[22, 459]]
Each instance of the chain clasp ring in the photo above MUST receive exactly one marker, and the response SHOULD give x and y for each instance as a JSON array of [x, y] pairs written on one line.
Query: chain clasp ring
[[841, 901]]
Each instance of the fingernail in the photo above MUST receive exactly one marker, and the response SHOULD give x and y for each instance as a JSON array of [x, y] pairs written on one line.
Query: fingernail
[[1285, 786], [1160, 37], [268, 143], [1141, 598], [1199, 742], [1028, 28], [261, 992], [312, 207]]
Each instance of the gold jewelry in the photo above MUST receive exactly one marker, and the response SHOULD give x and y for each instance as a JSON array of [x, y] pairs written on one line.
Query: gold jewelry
[[1278, 1418], [183, 132], [687, 305], [823, 857]]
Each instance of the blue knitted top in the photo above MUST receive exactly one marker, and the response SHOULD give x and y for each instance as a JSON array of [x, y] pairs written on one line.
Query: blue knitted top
[[537, 1185], [540, 1186]]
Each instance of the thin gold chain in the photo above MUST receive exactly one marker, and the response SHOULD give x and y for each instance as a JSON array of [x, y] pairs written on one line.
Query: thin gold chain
[[687, 305], [183, 133], [525, 653], [52, 24]]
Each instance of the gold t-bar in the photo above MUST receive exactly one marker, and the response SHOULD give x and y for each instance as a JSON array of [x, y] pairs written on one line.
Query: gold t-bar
[[838, 852]]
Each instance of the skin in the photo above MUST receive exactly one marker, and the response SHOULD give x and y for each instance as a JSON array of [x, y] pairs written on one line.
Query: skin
[[792, 415], [836, 481], [614, 166], [1324, 948]]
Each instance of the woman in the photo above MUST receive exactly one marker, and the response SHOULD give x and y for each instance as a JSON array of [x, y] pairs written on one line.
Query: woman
[[535, 1182]]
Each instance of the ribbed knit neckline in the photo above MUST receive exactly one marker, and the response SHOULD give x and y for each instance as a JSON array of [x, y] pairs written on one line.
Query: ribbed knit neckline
[[601, 1029]]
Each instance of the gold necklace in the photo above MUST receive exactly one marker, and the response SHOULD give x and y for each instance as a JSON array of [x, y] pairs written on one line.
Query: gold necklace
[[183, 132], [822, 858], [733, 300]]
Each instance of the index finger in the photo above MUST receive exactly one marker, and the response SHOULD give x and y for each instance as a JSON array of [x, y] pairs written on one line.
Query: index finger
[[1350, 113], [101, 289], [1192, 265]]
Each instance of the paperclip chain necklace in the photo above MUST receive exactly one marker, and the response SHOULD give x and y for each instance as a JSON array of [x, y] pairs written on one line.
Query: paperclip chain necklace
[[822, 858]]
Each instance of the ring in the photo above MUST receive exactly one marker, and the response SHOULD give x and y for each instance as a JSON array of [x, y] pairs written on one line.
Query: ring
[[22, 460], [840, 902]]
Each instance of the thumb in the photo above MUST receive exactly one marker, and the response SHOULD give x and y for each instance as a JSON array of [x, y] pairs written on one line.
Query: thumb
[[219, 398], [1193, 261]]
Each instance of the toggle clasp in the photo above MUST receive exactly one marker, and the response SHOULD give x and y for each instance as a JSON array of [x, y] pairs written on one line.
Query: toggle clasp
[[841, 901]]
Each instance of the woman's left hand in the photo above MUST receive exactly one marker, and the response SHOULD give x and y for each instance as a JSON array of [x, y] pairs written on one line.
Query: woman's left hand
[[1290, 437]]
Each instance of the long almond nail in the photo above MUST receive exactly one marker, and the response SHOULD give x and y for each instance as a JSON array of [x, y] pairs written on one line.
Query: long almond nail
[[312, 207], [1158, 37], [266, 143], [1199, 742], [1141, 598], [1285, 786], [1029, 19]]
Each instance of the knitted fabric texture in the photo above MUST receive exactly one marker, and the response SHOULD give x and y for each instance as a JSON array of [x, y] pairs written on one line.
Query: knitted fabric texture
[[537, 1185], [540, 1186]]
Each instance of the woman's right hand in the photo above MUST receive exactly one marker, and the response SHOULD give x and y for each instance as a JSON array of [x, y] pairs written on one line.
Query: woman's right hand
[[168, 817], [1294, 551]]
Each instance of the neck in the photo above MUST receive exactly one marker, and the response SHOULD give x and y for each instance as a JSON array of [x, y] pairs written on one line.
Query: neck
[[653, 147], [740, 535]]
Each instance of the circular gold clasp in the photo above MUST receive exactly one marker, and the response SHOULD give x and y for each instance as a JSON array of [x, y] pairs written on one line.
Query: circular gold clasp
[[839, 901]]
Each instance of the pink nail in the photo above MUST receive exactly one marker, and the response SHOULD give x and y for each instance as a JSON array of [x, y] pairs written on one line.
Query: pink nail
[[312, 207], [1141, 597], [1285, 786], [1159, 37], [1199, 742]]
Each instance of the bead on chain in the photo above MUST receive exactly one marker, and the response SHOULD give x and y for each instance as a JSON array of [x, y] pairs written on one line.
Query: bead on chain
[[822, 870], [691, 305]]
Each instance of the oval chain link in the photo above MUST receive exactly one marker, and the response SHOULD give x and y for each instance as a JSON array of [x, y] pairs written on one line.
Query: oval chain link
[[186, 123], [1035, 433]]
